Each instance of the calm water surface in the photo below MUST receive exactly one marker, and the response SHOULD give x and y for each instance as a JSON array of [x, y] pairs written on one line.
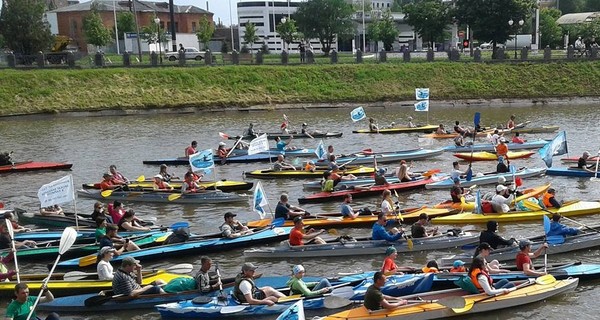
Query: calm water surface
[[92, 144]]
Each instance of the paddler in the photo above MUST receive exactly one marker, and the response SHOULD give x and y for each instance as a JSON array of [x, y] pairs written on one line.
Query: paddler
[[458, 266], [582, 162], [483, 281], [493, 267], [16, 226], [418, 228], [118, 177], [456, 172], [523, 259], [104, 268], [457, 192], [337, 177], [559, 229], [207, 281], [283, 146], [376, 300], [5, 239], [373, 125], [549, 199], [380, 233], [166, 176], [281, 165], [19, 308], [108, 183], [287, 211], [389, 264], [298, 236], [222, 151], [160, 184], [191, 149], [491, 237], [246, 291], [431, 267], [501, 167], [517, 138], [306, 289], [346, 209], [502, 148], [126, 283], [232, 228], [190, 185], [404, 175], [511, 122], [387, 204]]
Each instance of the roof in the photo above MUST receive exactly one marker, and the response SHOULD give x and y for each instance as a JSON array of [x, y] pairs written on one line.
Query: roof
[[123, 5], [575, 18]]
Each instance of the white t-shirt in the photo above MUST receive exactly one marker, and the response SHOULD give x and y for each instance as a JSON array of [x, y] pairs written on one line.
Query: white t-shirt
[[455, 174], [386, 207], [105, 270], [246, 287]]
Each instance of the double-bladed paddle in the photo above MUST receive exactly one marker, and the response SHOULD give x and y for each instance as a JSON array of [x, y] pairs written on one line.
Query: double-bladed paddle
[[11, 232], [409, 242], [182, 268], [476, 121], [595, 177]]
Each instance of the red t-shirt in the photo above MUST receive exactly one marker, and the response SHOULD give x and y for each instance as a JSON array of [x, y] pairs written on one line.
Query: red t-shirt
[[389, 265], [189, 151], [105, 185], [522, 258], [296, 237]]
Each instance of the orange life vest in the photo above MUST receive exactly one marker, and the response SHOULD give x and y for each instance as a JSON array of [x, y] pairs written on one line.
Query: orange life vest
[[546, 199], [474, 273]]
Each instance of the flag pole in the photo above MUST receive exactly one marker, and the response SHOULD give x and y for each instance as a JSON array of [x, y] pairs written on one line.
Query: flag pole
[[75, 204]]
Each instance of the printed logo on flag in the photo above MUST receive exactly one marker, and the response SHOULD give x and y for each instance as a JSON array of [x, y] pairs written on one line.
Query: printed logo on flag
[[358, 114], [422, 106], [422, 93]]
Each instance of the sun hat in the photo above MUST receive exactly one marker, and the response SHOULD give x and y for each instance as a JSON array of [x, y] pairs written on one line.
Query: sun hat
[[458, 263], [106, 249], [298, 268], [501, 180]]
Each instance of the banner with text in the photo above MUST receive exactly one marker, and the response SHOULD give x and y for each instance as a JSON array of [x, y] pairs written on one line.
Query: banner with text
[[57, 192]]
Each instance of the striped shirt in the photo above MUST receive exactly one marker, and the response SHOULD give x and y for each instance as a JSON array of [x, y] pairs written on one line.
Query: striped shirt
[[124, 283]]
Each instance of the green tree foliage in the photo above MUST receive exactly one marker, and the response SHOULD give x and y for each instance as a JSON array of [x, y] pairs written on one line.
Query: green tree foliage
[[489, 18], [153, 33], [224, 46], [384, 30], [125, 23], [589, 31], [205, 31], [23, 27], [592, 5], [287, 31], [571, 6], [324, 20], [429, 18], [551, 32], [94, 30], [250, 36]]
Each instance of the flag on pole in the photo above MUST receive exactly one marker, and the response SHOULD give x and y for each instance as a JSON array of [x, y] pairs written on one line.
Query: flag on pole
[[358, 114], [259, 200], [223, 135], [422, 93], [320, 150], [556, 147], [202, 160], [258, 145], [57, 192], [422, 105]]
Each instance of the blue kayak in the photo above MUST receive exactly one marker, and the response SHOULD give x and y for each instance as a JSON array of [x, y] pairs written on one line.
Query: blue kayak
[[569, 172], [386, 157], [238, 156], [190, 247], [535, 144], [293, 312]]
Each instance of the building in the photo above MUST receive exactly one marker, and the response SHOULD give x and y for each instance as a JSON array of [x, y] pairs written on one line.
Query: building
[[68, 21], [578, 18]]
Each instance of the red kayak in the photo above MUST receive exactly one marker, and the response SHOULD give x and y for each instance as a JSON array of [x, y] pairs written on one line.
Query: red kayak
[[34, 166], [576, 159], [365, 191]]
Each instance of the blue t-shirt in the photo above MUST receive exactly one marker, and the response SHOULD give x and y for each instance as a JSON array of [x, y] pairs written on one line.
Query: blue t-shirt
[[347, 210], [281, 145], [379, 233], [281, 211]]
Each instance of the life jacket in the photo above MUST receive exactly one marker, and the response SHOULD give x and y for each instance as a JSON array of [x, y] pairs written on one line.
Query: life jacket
[[502, 149], [160, 185], [327, 186], [430, 270], [459, 269], [237, 293], [474, 273], [546, 199], [191, 186]]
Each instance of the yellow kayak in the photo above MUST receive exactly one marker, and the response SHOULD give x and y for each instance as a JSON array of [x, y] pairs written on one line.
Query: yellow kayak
[[470, 206], [146, 185], [575, 208], [488, 156]]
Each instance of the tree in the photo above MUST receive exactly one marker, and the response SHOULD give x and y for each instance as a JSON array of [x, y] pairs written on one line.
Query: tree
[[287, 31], [489, 18], [125, 23], [429, 18], [324, 20], [571, 6], [551, 32], [153, 33], [94, 30], [250, 36], [205, 32], [384, 30], [23, 27], [592, 5]]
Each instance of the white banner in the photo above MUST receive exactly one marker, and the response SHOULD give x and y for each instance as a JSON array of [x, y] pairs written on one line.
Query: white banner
[[202, 160], [422, 106], [57, 192], [358, 114], [258, 145], [422, 93]]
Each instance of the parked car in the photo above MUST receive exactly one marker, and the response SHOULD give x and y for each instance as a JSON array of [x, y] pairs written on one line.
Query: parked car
[[191, 53], [486, 45]]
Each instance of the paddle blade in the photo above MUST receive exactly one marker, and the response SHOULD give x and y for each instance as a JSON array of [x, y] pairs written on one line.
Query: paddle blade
[[518, 181], [1, 205], [512, 169], [531, 205], [333, 232], [290, 298], [106, 193], [428, 174], [469, 174], [202, 300], [182, 268], [453, 302], [477, 119], [180, 224], [545, 279], [141, 178], [344, 292], [174, 196], [96, 300], [410, 244], [9, 228], [278, 222], [546, 224], [335, 302], [468, 306], [67, 239], [77, 275], [87, 260]]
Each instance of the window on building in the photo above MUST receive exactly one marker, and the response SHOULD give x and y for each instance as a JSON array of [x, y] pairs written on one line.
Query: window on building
[[194, 27], [73, 29]]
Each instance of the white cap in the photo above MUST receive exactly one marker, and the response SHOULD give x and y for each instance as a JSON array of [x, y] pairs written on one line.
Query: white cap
[[501, 180], [222, 144], [500, 188], [298, 268], [158, 176]]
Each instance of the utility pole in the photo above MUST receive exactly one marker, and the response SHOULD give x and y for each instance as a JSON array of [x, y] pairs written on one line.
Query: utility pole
[[173, 30], [137, 30]]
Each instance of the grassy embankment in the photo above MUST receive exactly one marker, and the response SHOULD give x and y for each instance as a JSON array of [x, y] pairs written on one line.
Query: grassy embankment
[[25, 92]]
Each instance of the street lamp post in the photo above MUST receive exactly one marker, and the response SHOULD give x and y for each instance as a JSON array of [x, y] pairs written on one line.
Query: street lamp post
[[283, 21], [510, 23], [157, 21]]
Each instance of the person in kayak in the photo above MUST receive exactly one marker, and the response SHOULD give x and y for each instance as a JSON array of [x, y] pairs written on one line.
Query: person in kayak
[[6, 242], [380, 233], [460, 129], [501, 202], [232, 228], [281, 165], [104, 268], [283, 146], [380, 179], [100, 212], [54, 210], [523, 259], [250, 131], [108, 183], [418, 228], [160, 184], [190, 184], [287, 211], [441, 129], [492, 238], [404, 175], [517, 138], [511, 122], [492, 267], [207, 281], [327, 183], [306, 289], [389, 266], [376, 300], [373, 127], [483, 281], [431, 267], [582, 163], [457, 192], [191, 149], [126, 283], [113, 240], [495, 137], [165, 175], [19, 308], [458, 266], [387, 204], [346, 208], [501, 167], [222, 151], [502, 147], [118, 177], [456, 172], [246, 291], [16, 226], [116, 211], [559, 229], [410, 124], [298, 236], [549, 199], [129, 222], [337, 177]]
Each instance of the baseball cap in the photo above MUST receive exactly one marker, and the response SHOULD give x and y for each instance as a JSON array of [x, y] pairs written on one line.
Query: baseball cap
[[107, 174], [381, 171], [458, 263], [230, 214], [390, 250], [524, 243], [106, 249], [297, 219], [129, 261], [298, 268], [500, 188], [248, 266], [501, 180]]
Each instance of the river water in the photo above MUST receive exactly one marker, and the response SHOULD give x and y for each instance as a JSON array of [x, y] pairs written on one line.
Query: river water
[[93, 143]]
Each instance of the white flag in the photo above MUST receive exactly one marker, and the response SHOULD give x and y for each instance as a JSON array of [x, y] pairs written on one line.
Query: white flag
[[202, 160], [258, 145], [422, 93], [259, 200], [358, 114], [422, 105], [320, 150], [57, 192]]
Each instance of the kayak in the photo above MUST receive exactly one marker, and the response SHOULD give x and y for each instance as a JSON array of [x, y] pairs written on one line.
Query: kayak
[[348, 246], [488, 156], [543, 129], [535, 144], [387, 157], [297, 174], [321, 220], [452, 135], [240, 156], [196, 247], [425, 128], [488, 178], [83, 235], [576, 159], [26, 217], [395, 285], [569, 172], [366, 191], [285, 136], [429, 308], [208, 196], [223, 185], [348, 184], [293, 312], [470, 206], [34, 166], [581, 241], [568, 210]]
